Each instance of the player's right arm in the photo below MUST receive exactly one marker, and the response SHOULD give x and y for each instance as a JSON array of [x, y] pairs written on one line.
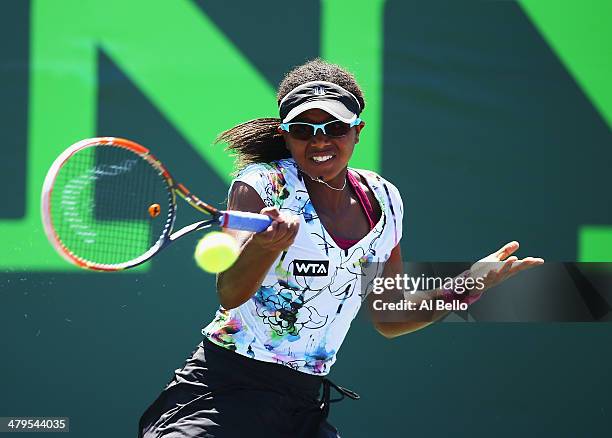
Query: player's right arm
[[258, 251]]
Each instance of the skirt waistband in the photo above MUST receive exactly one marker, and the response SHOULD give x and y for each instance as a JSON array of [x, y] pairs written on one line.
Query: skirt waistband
[[263, 373]]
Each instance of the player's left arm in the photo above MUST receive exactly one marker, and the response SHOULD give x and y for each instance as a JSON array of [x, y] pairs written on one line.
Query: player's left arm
[[492, 270], [394, 266]]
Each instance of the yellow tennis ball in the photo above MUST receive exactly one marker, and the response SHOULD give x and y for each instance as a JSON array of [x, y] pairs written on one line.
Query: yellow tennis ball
[[216, 252]]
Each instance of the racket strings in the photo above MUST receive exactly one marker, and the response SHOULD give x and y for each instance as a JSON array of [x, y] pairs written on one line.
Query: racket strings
[[101, 205]]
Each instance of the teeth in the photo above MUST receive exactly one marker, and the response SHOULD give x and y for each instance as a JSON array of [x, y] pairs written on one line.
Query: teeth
[[323, 158]]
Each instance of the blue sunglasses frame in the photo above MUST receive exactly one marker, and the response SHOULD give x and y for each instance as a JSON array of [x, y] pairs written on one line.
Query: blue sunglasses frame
[[321, 126]]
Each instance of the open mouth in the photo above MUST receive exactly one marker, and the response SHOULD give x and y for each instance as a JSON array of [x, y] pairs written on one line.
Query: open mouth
[[322, 158]]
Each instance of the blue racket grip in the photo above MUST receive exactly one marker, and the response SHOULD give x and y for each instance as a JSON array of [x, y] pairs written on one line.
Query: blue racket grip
[[242, 220]]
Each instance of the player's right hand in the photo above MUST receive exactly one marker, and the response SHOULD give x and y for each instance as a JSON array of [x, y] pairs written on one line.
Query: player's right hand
[[280, 234]]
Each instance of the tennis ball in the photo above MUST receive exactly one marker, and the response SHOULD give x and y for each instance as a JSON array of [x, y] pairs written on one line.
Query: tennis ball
[[216, 252]]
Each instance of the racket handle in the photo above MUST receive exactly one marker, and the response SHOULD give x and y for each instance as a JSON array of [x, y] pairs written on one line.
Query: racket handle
[[242, 220]]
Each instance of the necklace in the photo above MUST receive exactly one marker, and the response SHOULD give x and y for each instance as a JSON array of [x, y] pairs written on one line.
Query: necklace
[[320, 180], [331, 187]]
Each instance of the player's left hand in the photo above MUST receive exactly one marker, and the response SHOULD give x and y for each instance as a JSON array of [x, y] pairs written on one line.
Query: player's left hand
[[501, 265]]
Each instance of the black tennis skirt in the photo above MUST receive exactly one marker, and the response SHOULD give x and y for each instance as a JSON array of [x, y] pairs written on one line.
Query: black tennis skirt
[[221, 394]]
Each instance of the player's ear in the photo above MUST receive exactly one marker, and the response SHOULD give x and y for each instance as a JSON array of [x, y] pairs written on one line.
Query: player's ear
[[358, 129]]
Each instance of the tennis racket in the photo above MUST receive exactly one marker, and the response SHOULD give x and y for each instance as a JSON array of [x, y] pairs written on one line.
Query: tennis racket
[[108, 204]]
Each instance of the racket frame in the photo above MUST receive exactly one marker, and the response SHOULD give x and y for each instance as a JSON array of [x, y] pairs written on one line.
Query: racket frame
[[166, 237]]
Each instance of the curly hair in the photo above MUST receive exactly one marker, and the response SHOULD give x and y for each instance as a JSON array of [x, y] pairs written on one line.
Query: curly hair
[[258, 140]]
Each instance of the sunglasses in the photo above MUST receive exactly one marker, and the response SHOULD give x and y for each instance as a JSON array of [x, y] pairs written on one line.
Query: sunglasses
[[304, 131]]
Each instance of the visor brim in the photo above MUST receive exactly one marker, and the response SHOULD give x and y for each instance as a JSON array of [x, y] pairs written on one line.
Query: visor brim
[[333, 107]]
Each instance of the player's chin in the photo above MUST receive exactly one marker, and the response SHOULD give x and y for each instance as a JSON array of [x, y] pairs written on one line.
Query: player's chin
[[328, 168]]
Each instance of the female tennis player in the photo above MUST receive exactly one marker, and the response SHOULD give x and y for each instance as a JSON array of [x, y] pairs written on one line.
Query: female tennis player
[[289, 299]]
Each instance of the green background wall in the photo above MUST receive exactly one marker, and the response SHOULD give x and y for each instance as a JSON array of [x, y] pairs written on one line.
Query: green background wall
[[492, 118]]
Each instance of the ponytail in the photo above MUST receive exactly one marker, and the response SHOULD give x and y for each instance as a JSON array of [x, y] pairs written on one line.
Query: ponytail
[[255, 141]]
